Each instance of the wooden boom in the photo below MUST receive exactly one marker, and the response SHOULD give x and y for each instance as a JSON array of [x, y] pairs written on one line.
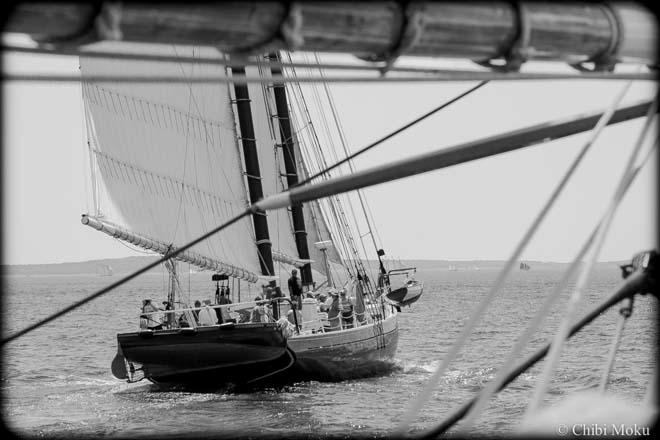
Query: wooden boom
[[378, 31]]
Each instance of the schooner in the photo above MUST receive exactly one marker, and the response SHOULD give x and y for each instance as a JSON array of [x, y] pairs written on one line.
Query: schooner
[[593, 38]]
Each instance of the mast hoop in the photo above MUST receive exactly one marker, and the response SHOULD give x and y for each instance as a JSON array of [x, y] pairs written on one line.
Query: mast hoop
[[518, 51], [607, 59], [412, 26], [287, 31]]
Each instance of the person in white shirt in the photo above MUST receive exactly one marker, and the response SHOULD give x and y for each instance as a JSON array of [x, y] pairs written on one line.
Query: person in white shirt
[[207, 316]]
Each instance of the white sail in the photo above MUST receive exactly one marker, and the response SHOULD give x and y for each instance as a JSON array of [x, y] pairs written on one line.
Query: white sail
[[168, 154], [318, 231]]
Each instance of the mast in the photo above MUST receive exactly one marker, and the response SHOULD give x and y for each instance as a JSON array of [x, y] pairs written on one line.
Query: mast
[[286, 136], [253, 173]]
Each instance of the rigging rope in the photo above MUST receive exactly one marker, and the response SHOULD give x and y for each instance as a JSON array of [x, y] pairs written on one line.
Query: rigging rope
[[541, 314], [558, 342], [344, 144], [440, 76], [127, 278], [394, 133], [624, 313], [424, 395], [637, 283]]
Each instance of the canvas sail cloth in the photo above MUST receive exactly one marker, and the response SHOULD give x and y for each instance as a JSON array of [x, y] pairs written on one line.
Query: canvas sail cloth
[[318, 231], [168, 153]]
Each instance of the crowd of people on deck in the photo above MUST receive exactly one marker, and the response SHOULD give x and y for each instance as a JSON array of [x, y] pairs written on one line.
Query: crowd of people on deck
[[336, 304]]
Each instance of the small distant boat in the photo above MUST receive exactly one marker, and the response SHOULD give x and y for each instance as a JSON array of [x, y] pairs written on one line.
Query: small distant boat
[[104, 270], [524, 266], [409, 292]]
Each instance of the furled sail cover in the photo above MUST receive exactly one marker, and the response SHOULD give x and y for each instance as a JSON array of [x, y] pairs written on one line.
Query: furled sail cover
[[168, 152]]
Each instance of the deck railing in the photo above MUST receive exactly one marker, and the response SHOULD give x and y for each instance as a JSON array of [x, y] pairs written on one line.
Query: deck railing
[[266, 311]]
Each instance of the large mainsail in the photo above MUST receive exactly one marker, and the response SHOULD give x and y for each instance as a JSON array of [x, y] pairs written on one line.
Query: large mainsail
[[168, 153]]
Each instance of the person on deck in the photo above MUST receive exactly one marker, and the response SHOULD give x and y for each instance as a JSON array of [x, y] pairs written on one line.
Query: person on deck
[[258, 312], [333, 305], [207, 315], [322, 298], [295, 289], [294, 315], [151, 315], [276, 292], [346, 306], [169, 315], [196, 312], [221, 312]]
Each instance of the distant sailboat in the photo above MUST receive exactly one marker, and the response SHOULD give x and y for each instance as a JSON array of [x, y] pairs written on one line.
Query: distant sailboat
[[104, 270], [524, 266]]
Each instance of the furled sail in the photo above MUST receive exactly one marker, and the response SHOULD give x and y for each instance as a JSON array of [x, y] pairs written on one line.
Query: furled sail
[[168, 153]]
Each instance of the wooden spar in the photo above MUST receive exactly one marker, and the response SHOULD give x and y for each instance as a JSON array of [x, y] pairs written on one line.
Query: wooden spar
[[570, 32], [253, 173], [165, 249], [289, 155], [446, 157]]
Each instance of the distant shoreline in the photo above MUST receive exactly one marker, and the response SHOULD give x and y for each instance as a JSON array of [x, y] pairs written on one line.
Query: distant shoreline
[[129, 264]]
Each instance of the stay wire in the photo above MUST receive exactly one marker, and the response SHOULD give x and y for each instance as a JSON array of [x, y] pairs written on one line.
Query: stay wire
[[127, 278], [634, 284], [624, 313], [571, 309], [497, 383], [425, 394], [542, 312], [394, 133]]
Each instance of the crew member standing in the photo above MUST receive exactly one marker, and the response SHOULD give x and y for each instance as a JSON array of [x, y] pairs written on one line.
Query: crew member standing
[[295, 289]]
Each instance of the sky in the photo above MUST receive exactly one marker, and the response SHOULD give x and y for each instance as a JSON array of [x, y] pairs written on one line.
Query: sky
[[472, 211]]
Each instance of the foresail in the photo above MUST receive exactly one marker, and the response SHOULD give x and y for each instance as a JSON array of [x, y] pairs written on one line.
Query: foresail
[[317, 228], [168, 153]]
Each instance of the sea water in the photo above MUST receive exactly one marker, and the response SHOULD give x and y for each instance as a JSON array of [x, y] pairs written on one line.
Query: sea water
[[56, 380]]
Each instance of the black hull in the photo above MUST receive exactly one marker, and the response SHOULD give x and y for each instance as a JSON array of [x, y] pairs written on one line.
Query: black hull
[[236, 354], [257, 354]]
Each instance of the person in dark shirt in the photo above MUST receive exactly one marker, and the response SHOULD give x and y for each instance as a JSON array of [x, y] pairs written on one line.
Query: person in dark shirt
[[295, 289], [275, 292]]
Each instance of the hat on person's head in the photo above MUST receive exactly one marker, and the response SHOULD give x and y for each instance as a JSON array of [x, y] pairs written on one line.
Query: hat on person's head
[[294, 271], [258, 298], [333, 292]]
